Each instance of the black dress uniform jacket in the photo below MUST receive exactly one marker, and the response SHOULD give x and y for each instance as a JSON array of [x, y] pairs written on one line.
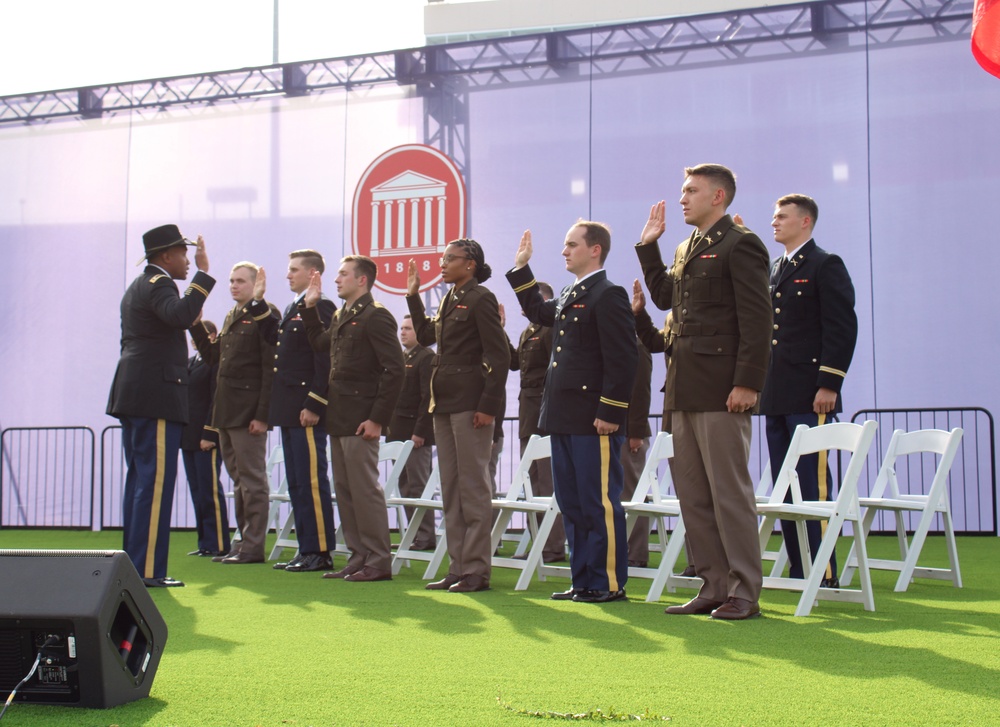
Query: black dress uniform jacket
[[815, 330], [470, 370], [244, 359], [411, 416], [724, 340], [151, 378], [531, 358], [301, 375], [201, 394], [593, 351], [366, 364]]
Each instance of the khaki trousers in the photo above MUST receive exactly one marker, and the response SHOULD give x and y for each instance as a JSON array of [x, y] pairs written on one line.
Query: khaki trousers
[[464, 458], [711, 474], [361, 502], [245, 456]]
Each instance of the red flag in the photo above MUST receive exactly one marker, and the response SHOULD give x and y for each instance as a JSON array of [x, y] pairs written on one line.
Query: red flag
[[986, 35]]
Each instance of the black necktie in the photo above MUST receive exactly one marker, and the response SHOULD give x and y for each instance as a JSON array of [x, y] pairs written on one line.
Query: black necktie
[[782, 265]]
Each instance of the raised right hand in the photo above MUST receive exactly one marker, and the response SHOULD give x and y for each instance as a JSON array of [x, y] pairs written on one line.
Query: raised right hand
[[260, 285], [524, 250], [655, 225], [315, 290], [201, 256], [412, 278], [638, 298]]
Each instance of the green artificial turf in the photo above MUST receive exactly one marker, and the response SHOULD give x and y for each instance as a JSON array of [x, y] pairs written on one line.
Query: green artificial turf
[[252, 646]]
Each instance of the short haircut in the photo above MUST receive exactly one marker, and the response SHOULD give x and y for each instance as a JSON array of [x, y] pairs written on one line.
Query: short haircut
[[249, 266], [546, 290], [210, 327], [310, 258], [806, 205], [722, 177], [407, 315], [363, 265], [596, 233]]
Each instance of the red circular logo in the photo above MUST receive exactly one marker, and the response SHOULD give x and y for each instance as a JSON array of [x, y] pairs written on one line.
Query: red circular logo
[[409, 204]]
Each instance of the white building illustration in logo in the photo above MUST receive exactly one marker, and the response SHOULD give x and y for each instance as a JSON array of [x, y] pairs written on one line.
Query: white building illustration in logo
[[401, 199]]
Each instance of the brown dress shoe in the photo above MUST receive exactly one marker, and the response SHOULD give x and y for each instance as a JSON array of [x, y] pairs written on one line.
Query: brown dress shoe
[[737, 609], [343, 572], [241, 558], [444, 584], [688, 572], [470, 584], [222, 556], [369, 574], [696, 606]]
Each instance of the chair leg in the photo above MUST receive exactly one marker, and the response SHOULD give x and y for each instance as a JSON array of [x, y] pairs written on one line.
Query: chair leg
[[668, 561], [949, 531]]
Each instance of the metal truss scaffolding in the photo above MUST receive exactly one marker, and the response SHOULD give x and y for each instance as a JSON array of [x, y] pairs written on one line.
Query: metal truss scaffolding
[[445, 74]]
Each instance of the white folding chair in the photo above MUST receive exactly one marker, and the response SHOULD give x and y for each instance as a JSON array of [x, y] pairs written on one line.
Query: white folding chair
[[886, 496], [397, 453], [780, 556], [426, 505], [521, 499], [654, 498], [853, 438]]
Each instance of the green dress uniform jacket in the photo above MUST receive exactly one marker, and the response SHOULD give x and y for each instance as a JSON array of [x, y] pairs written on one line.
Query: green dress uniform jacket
[[366, 364], [718, 290], [531, 358], [246, 367], [470, 369], [411, 416]]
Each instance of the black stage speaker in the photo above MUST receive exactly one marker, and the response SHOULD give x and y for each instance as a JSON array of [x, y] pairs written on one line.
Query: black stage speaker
[[105, 636]]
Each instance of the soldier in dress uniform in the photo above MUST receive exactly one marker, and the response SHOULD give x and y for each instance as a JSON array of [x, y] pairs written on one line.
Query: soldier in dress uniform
[[412, 421], [531, 359], [815, 331], [298, 406], [242, 398], [717, 289], [202, 463], [149, 392], [468, 379], [366, 375], [585, 404]]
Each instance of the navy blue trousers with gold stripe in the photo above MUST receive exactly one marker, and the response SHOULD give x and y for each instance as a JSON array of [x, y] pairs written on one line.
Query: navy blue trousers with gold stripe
[[309, 487], [815, 483], [151, 447], [587, 478], [212, 519]]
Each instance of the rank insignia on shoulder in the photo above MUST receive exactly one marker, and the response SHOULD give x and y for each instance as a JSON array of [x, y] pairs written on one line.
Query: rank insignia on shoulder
[[376, 304], [157, 277]]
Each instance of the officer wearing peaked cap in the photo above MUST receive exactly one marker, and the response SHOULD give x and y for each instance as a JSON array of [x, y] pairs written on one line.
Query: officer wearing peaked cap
[[149, 392]]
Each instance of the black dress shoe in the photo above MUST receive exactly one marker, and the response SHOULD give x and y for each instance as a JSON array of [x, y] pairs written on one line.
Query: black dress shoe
[[197, 552], [424, 546], [695, 607], [222, 556], [165, 582], [830, 583], [297, 558], [566, 595], [589, 595], [310, 563]]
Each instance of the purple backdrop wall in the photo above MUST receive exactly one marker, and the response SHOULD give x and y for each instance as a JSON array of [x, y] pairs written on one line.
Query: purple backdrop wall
[[896, 145]]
